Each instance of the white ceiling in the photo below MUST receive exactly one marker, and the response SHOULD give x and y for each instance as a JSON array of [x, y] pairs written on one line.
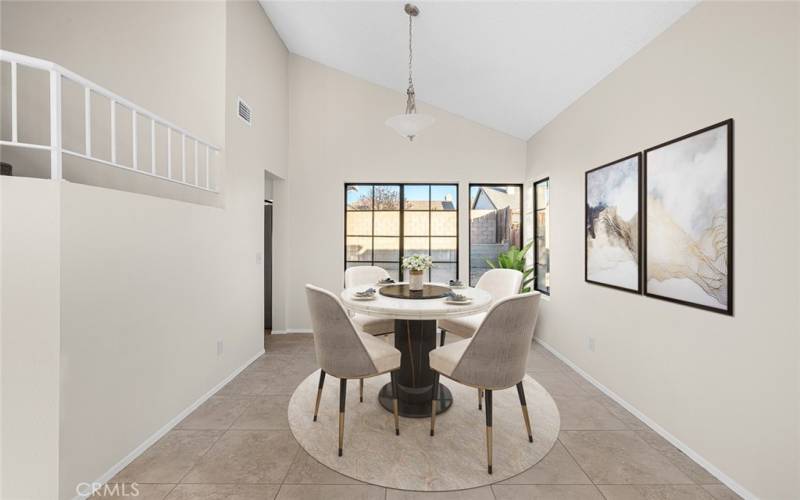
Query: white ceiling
[[512, 66]]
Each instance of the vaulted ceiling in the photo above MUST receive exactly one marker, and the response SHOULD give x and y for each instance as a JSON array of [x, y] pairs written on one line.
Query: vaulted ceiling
[[511, 66]]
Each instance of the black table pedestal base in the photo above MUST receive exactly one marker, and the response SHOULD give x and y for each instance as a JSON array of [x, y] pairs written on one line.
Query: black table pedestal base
[[415, 339], [421, 408]]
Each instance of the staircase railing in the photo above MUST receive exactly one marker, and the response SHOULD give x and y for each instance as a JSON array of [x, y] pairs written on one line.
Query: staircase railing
[[57, 74]]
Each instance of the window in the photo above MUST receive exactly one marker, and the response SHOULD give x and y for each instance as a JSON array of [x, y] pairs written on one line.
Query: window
[[541, 232], [380, 230], [495, 212]]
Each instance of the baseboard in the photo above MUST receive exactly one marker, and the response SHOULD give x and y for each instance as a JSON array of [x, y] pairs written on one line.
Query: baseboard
[[723, 478], [292, 330], [130, 457]]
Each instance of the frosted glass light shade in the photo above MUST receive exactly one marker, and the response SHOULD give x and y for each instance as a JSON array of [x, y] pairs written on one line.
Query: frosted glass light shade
[[409, 125]]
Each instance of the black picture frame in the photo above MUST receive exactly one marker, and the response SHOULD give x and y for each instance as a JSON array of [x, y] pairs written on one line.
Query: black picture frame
[[639, 238], [729, 123]]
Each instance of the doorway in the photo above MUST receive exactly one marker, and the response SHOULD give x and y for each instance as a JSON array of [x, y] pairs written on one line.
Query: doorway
[[268, 266]]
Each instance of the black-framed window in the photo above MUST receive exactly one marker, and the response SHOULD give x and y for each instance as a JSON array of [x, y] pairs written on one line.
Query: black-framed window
[[541, 235], [385, 222], [495, 224]]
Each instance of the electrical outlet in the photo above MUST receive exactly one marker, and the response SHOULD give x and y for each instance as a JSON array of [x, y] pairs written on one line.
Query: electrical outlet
[[591, 344], [220, 346]]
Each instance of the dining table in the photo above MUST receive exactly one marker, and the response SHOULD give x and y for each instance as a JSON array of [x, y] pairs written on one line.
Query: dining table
[[415, 313]]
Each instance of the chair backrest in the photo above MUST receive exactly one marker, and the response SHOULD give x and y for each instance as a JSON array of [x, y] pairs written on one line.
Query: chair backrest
[[363, 275], [497, 355], [338, 347], [500, 283]]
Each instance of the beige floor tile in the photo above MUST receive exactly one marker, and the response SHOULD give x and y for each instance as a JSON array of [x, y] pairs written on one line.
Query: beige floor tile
[[618, 411], [654, 492], [689, 467], [558, 384], [484, 493], [265, 413], [557, 467], [306, 470], [218, 412], [580, 413], [247, 383], [620, 457], [296, 343], [139, 491], [279, 364], [546, 492], [246, 457], [169, 458], [224, 492], [543, 361], [721, 492], [331, 492]]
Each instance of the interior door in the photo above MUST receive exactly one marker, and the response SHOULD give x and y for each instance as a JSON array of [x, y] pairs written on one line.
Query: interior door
[[267, 265]]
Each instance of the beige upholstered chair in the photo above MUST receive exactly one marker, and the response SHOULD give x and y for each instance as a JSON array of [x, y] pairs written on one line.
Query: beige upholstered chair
[[345, 352], [500, 283], [367, 276], [494, 358]]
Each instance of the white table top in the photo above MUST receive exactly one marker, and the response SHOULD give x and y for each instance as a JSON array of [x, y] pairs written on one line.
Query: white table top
[[419, 309]]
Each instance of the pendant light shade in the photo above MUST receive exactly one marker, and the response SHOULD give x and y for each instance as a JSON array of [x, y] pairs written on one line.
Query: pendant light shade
[[410, 123]]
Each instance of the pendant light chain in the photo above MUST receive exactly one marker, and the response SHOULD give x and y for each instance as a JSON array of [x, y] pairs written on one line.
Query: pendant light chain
[[411, 103]]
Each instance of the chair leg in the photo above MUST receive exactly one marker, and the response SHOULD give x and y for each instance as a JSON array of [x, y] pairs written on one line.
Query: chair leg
[[489, 428], [480, 399], [319, 393], [434, 400], [361, 390], [342, 399], [395, 404], [441, 342], [521, 393]]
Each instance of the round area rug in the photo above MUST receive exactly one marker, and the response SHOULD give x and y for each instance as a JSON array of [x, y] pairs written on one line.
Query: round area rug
[[454, 459]]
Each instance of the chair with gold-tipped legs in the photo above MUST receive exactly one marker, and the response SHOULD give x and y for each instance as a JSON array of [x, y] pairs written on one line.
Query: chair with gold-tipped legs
[[495, 358], [345, 352]]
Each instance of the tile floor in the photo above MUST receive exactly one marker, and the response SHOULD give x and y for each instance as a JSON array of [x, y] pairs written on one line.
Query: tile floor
[[238, 445]]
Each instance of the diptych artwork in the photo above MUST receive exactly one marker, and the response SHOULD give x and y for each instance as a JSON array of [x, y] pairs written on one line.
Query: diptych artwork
[[612, 224], [688, 219]]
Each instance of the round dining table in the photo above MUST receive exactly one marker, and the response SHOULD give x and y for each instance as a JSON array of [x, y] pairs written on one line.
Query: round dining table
[[415, 315]]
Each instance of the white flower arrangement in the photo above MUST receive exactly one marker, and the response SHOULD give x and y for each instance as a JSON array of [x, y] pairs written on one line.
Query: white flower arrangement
[[417, 263]]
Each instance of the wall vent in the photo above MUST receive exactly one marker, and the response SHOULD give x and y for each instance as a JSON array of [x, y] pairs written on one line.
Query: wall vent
[[245, 113]]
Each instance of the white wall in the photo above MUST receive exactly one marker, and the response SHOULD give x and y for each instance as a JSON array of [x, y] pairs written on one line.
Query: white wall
[[724, 386], [337, 134], [149, 284], [29, 338]]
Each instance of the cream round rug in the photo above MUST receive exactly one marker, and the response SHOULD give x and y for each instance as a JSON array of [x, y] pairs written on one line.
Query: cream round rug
[[454, 459]]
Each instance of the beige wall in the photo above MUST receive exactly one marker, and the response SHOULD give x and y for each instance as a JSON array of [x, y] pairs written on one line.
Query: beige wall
[[149, 284], [167, 57], [337, 135], [724, 386], [29, 338]]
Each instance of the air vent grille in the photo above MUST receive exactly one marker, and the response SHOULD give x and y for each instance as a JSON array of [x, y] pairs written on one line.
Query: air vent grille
[[245, 113]]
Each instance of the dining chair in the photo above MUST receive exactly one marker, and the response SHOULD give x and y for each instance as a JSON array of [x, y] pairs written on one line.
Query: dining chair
[[500, 283], [368, 276], [494, 358], [347, 353]]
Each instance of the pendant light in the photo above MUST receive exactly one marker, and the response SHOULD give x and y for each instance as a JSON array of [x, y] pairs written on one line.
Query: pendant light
[[410, 123]]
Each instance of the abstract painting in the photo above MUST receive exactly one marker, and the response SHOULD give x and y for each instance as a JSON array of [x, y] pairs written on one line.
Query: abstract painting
[[689, 219], [612, 224]]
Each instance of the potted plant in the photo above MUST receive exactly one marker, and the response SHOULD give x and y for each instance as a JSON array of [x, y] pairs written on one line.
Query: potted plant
[[416, 265], [514, 258]]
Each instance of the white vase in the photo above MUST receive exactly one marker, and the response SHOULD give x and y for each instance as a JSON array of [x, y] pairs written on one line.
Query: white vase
[[415, 280]]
